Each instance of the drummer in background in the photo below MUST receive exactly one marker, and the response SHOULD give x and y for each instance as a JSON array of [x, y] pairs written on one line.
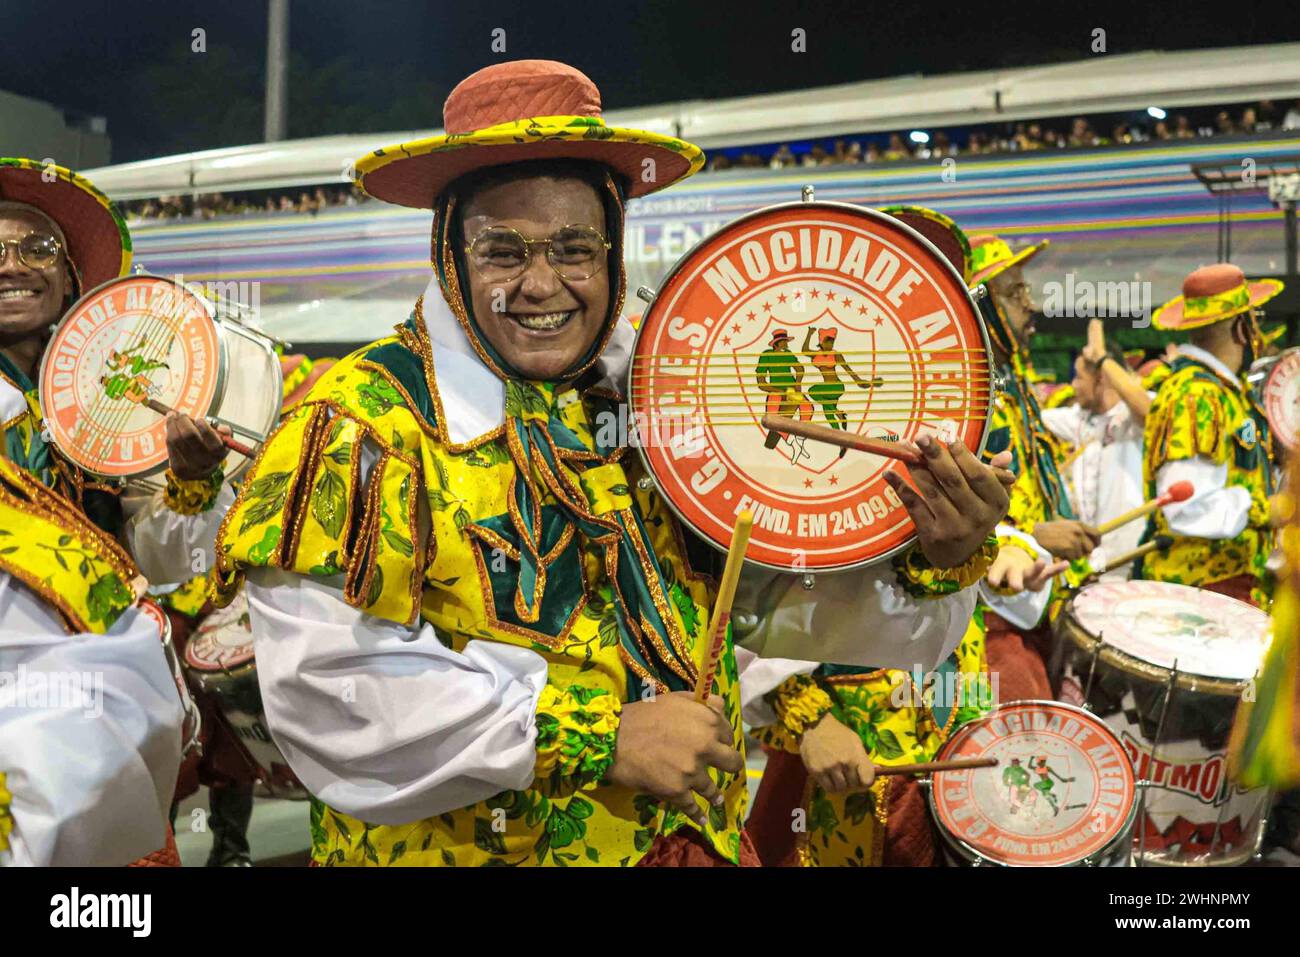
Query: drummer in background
[[84, 780], [1105, 427], [505, 693], [1040, 524], [1206, 427], [61, 238]]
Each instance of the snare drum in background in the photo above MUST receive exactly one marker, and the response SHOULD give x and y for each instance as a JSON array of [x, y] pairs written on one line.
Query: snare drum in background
[[192, 723], [1276, 380], [1061, 795], [143, 337], [219, 661], [1124, 639], [822, 312]]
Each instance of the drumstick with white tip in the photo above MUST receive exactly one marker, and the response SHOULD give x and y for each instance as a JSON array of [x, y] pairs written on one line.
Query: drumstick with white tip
[[1178, 492], [163, 409], [722, 607], [845, 440]]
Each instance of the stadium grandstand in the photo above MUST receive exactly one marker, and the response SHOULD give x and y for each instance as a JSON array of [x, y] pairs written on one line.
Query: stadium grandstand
[[1097, 155]]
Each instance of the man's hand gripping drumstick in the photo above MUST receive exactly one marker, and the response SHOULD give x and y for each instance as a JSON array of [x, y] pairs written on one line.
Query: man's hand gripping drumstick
[[957, 501], [668, 746]]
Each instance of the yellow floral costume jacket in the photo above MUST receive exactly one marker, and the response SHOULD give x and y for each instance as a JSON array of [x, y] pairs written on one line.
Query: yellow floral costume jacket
[[1197, 413], [427, 537]]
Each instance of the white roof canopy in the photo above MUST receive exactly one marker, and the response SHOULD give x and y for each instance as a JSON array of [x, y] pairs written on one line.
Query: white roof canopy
[[1100, 83]]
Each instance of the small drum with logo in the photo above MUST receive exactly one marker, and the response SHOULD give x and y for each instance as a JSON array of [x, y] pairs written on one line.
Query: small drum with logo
[[1164, 666], [192, 723], [1276, 380], [1061, 795], [140, 338], [822, 312], [219, 661]]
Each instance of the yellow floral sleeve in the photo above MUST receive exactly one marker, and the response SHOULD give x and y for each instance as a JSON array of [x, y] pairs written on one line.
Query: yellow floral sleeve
[[192, 496], [577, 730], [922, 580], [799, 702]]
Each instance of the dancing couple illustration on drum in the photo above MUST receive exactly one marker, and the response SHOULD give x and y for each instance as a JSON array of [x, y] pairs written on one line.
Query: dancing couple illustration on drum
[[129, 372], [1021, 794], [780, 374]]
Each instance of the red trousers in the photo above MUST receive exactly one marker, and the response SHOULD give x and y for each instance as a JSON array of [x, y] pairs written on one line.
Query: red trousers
[[686, 848], [910, 840], [1016, 659]]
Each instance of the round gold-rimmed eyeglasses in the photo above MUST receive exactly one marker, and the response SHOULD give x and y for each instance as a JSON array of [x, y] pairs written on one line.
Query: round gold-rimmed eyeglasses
[[501, 253], [35, 250]]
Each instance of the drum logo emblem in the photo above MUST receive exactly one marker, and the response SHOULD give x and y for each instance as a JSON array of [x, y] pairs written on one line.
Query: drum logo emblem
[[822, 316]]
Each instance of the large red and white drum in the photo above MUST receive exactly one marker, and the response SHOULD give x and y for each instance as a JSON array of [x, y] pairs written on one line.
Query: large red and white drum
[[1062, 793], [1165, 666], [219, 660], [144, 337], [1280, 396], [822, 312]]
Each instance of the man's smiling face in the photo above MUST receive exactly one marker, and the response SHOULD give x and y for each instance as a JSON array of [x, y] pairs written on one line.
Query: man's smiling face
[[30, 299], [540, 323]]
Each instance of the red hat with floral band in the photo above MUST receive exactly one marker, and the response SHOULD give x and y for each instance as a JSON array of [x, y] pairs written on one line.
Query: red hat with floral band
[[516, 111], [946, 235], [991, 256], [98, 243], [1212, 294]]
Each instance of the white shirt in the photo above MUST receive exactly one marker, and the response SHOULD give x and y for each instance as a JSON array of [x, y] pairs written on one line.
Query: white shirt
[[92, 784], [388, 725], [1214, 511], [1106, 476]]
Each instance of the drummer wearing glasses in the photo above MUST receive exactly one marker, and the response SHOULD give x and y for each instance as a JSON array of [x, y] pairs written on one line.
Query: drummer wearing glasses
[[517, 619]]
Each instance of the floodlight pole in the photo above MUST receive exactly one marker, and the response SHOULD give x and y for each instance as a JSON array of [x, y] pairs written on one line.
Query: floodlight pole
[[277, 71]]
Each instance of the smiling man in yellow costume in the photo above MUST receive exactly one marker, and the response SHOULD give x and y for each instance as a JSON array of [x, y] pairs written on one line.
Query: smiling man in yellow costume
[[476, 630]]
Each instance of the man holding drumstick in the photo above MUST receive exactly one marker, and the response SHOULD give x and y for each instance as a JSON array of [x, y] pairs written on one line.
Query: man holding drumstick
[[476, 631], [1205, 427]]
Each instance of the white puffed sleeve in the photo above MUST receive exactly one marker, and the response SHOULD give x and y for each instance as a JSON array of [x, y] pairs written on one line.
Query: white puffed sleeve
[[1215, 510], [168, 547], [1025, 608], [859, 617], [385, 722], [91, 770]]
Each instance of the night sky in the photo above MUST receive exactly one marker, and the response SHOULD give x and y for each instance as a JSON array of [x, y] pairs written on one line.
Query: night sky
[[378, 65]]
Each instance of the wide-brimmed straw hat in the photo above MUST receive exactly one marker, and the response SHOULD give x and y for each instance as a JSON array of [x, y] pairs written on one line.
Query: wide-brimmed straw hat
[[516, 111], [991, 256], [947, 236], [99, 244], [1212, 294]]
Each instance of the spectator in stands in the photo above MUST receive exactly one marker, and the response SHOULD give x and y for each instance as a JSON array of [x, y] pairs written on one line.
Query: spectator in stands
[[1248, 120], [854, 154], [873, 153], [1268, 116], [1223, 124], [897, 149], [1161, 131], [1183, 128], [1292, 119], [1081, 133], [783, 157]]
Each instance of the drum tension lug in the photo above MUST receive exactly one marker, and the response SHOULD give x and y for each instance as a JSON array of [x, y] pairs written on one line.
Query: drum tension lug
[[809, 582], [645, 483], [645, 294], [806, 194]]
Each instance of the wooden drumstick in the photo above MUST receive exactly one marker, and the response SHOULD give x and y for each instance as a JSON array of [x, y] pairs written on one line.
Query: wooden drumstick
[[931, 767], [228, 441], [842, 438], [1159, 543], [722, 607], [1178, 492]]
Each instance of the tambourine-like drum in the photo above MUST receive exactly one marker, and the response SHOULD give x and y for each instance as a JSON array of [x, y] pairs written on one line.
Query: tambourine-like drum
[[139, 338], [219, 661], [821, 312], [192, 722], [1164, 666], [1061, 795], [1277, 383]]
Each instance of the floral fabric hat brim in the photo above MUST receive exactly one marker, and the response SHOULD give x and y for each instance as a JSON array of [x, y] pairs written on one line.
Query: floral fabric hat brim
[[414, 174], [1180, 313], [985, 273], [98, 240]]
